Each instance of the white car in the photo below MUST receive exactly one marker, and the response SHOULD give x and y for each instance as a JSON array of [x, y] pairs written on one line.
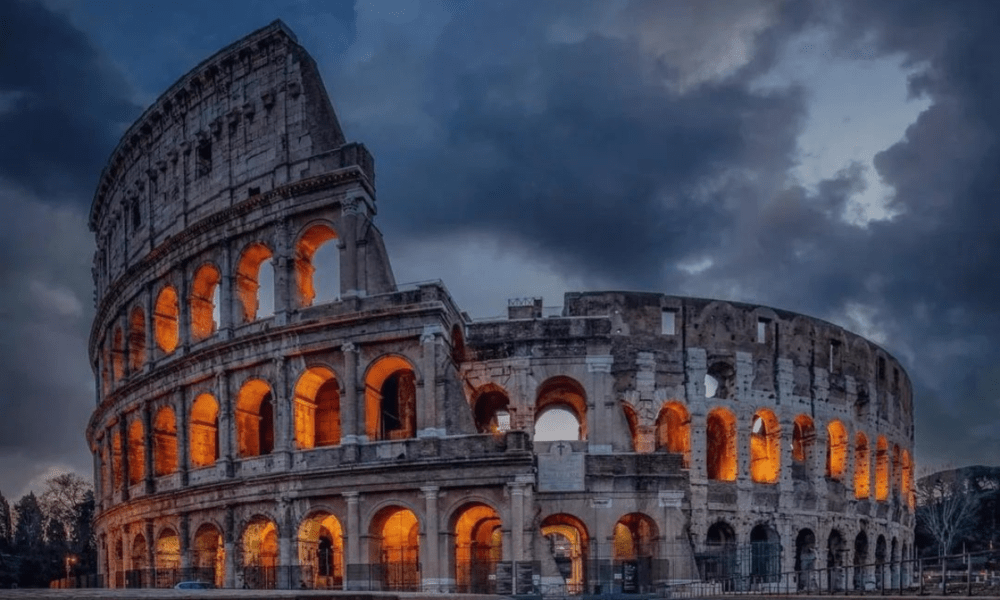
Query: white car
[[193, 585]]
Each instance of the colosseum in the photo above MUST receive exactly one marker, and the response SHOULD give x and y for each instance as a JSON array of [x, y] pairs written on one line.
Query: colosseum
[[267, 419]]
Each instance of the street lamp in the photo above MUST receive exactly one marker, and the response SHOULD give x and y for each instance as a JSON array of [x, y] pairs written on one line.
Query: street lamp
[[70, 560]]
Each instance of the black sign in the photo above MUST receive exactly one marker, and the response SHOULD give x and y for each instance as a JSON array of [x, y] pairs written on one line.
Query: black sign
[[505, 578], [525, 578], [630, 577]]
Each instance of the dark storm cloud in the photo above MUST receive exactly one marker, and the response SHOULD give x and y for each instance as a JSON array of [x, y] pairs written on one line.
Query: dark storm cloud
[[61, 106]]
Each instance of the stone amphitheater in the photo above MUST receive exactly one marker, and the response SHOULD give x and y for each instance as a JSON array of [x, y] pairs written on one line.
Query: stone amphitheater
[[256, 430]]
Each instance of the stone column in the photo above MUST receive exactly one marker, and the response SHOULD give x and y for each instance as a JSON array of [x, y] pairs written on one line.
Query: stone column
[[427, 406], [516, 490], [353, 540], [349, 405], [183, 446], [431, 559], [227, 299], [284, 421], [229, 541], [123, 432], [150, 551], [151, 347], [349, 217], [226, 425], [184, 306], [285, 537], [601, 402], [98, 467], [283, 279], [147, 435], [185, 540]]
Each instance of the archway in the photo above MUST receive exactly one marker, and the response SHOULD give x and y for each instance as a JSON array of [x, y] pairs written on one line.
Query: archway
[[478, 548], [395, 548], [568, 545], [136, 339], [634, 552], [118, 354], [836, 549], [765, 447], [138, 574], [321, 552], [204, 302], [204, 431], [566, 395], [881, 469], [255, 419], [208, 556], [862, 466], [491, 409], [136, 453], [317, 266], [720, 445], [164, 442], [881, 557], [317, 409], [249, 280], [673, 430], [765, 554], [391, 399], [803, 437], [167, 559], [805, 560], [718, 563], [166, 326], [259, 560], [860, 560]]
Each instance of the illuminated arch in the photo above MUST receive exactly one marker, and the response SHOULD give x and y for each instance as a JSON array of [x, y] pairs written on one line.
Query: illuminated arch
[[136, 339], [136, 453], [803, 438], [255, 419], [673, 430], [881, 469], [635, 536], [836, 450], [116, 458], [897, 470], [632, 420], [208, 556], [395, 545], [720, 445], [118, 354], [248, 278], [305, 252], [562, 393], [164, 442], [391, 399], [317, 409], [259, 554], [569, 543], [204, 431], [166, 327], [478, 547], [907, 480], [491, 409], [138, 556], [321, 550], [862, 466], [765, 447], [167, 559], [204, 290]]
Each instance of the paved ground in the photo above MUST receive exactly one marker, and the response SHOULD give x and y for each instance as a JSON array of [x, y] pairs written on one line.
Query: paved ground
[[165, 594]]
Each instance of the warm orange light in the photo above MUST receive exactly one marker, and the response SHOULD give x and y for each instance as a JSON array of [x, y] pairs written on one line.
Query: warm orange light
[[317, 409], [248, 278], [634, 537], [673, 430], [396, 533], [118, 354], [881, 469], [136, 453], [311, 240], [116, 457], [836, 450], [862, 466], [765, 447], [568, 539], [204, 431], [390, 399], [165, 442], [260, 543], [720, 445], [254, 419], [907, 480], [321, 549], [209, 552], [165, 323], [803, 436], [168, 551], [477, 542], [137, 339], [203, 288]]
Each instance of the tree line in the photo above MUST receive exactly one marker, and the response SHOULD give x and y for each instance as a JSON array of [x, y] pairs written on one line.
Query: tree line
[[43, 536], [958, 510]]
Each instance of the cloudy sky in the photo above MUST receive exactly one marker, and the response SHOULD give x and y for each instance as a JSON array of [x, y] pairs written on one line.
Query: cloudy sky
[[838, 159]]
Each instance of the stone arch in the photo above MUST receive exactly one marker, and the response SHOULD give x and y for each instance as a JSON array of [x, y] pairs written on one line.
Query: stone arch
[[312, 238], [139, 561], [862, 466], [321, 550], [204, 431], [391, 399], [803, 438], [632, 420], [491, 409], [568, 545], [255, 419], [204, 300], [116, 457], [860, 559], [164, 442], [259, 553], [248, 276], [562, 393], [208, 554], [881, 558], [765, 553], [719, 562], [720, 445], [118, 354], [720, 380], [136, 452], [635, 537], [166, 322], [805, 559], [836, 449], [836, 551], [136, 339], [765, 447], [673, 430], [317, 408], [881, 469], [906, 479], [478, 547], [395, 545], [167, 558]]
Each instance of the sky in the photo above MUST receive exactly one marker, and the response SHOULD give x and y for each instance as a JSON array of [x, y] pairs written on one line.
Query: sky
[[837, 159]]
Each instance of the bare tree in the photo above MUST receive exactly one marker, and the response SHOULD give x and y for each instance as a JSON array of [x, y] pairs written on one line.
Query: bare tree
[[947, 507], [62, 496]]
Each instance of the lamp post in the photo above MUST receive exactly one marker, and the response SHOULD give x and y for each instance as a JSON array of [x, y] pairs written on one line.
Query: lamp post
[[70, 560]]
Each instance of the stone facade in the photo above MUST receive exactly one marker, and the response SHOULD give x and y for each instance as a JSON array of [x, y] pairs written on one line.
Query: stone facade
[[385, 440]]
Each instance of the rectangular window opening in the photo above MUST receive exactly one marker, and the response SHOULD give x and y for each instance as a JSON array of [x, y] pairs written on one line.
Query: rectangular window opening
[[761, 331], [204, 166], [668, 322], [881, 368], [136, 215], [834, 356]]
